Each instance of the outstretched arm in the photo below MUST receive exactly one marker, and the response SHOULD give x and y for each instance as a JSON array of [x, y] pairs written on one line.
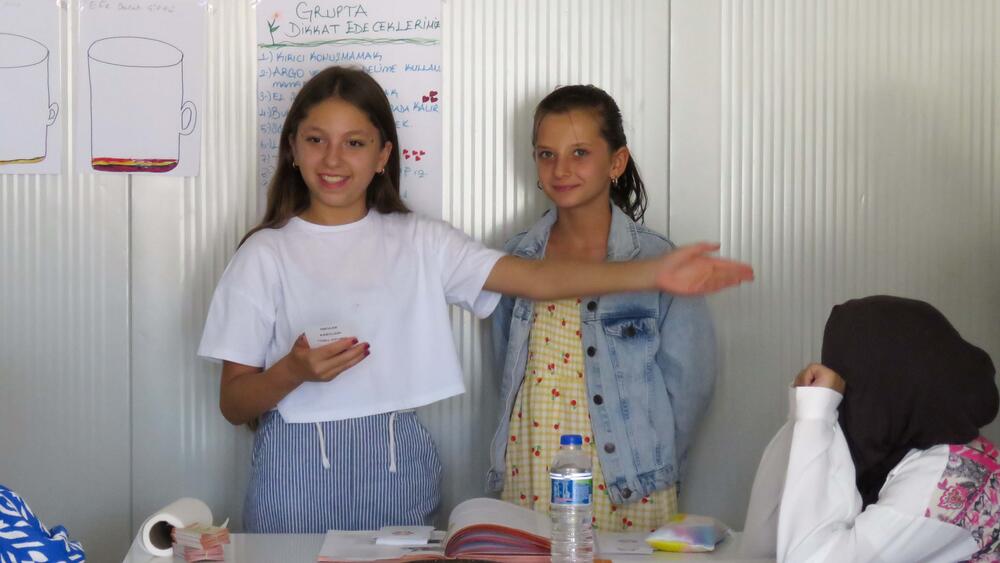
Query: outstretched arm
[[688, 270]]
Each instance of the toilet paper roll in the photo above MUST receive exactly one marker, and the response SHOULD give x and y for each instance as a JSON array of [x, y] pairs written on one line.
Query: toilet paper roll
[[154, 534]]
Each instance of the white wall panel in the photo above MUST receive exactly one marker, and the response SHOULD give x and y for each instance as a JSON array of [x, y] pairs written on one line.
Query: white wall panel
[[184, 232], [64, 344], [846, 149]]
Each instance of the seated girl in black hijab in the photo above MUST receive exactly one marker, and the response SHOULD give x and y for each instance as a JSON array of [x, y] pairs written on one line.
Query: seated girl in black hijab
[[901, 474]]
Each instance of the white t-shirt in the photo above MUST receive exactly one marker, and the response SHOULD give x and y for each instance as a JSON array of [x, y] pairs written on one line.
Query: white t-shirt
[[389, 278], [805, 506]]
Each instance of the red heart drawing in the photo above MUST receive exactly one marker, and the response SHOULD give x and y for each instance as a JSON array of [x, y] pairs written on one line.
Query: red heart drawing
[[406, 154], [425, 98]]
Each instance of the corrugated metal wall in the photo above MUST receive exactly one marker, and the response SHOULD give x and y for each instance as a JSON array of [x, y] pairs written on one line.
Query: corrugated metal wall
[[64, 342], [183, 233], [846, 149], [843, 147]]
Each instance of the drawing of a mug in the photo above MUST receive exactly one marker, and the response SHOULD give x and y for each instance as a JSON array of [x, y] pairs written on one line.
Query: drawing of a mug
[[137, 106], [25, 111]]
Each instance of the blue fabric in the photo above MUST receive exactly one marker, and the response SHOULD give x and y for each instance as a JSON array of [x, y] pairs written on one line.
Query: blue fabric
[[23, 537], [291, 492], [653, 366]]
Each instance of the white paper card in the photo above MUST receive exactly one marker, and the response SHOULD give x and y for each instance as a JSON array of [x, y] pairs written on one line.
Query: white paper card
[[620, 542], [404, 535], [360, 546], [327, 333]]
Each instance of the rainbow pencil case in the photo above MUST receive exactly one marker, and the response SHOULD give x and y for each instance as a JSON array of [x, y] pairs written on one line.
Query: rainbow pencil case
[[688, 533]]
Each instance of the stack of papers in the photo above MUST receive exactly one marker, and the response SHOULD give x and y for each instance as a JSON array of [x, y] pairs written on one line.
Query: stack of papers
[[200, 542], [191, 554]]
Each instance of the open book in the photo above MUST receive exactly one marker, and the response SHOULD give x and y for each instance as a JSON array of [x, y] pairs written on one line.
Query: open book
[[484, 526], [480, 528]]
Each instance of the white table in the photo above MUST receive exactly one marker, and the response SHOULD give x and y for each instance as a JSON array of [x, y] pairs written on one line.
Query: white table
[[303, 548]]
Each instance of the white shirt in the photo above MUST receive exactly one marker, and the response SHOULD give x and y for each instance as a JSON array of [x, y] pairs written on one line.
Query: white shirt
[[389, 278], [805, 506]]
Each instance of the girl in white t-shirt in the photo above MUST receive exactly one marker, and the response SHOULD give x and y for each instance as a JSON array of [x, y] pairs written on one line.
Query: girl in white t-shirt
[[332, 323]]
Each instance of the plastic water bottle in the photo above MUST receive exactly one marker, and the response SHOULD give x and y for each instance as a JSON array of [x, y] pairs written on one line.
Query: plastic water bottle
[[572, 481]]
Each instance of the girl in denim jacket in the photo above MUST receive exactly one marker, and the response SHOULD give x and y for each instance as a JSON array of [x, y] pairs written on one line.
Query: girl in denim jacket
[[631, 373]]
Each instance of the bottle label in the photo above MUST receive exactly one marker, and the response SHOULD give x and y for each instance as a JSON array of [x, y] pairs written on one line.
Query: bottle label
[[567, 490]]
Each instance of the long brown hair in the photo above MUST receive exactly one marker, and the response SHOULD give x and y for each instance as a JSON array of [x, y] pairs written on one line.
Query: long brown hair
[[629, 192], [287, 193]]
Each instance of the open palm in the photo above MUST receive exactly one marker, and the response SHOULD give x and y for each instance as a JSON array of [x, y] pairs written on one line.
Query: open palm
[[689, 270]]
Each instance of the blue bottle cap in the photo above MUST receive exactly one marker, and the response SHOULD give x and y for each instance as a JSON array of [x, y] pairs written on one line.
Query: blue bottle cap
[[571, 440]]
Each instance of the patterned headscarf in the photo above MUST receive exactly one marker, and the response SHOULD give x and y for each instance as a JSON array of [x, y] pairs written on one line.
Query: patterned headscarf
[[912, 382]]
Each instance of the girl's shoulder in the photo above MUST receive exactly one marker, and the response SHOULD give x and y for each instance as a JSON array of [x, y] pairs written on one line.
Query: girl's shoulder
[[968, 491], [416, 229], [651, 242], [408, 221], [530, 241], [262, 242], [427, 232], [514, 241], [258, 254]]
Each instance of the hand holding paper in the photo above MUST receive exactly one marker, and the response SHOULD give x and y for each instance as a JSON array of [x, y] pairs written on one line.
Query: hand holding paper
[[322, 353]]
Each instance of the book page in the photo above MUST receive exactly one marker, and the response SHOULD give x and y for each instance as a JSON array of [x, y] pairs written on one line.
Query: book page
[[480, 511]]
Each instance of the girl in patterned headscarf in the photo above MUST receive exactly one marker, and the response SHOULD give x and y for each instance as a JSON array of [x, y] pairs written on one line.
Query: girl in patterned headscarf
[[899, 472]]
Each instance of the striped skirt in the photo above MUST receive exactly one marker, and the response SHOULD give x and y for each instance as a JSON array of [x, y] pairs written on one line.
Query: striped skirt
[[356, 474]]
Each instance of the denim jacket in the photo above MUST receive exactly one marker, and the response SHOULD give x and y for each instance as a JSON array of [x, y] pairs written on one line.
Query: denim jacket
[[650, 364]]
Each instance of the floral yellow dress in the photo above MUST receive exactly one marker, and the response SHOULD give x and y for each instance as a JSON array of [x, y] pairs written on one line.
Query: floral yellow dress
[[552, 402]]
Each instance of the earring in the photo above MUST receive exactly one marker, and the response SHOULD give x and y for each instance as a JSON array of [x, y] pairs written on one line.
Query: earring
[[295, 164], [380, 171], [614, 182], [538, 184]]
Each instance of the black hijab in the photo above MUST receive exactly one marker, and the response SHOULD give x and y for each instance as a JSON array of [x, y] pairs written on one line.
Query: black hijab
[[912, 382]]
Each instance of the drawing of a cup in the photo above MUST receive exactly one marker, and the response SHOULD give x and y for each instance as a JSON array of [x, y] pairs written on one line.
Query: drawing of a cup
[[137, 106], [25, 111]]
